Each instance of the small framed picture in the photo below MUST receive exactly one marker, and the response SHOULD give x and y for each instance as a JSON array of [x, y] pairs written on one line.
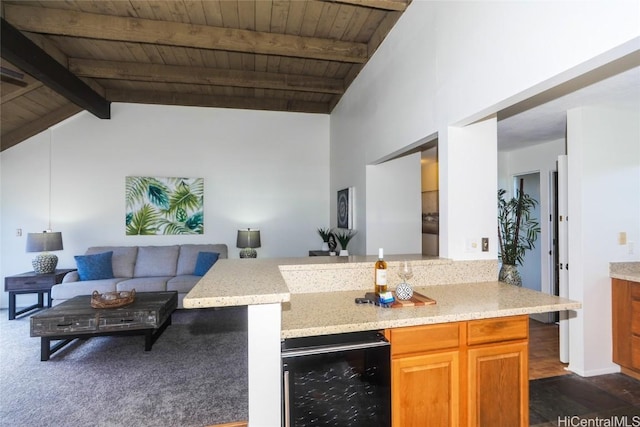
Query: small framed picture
[[345, 208]]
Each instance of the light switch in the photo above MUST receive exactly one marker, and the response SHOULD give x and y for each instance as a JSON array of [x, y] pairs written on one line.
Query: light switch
[[18, 232], [472, 245], [622, 238]]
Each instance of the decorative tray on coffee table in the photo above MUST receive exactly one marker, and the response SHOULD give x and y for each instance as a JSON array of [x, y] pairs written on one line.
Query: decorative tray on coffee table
[[112, 299]]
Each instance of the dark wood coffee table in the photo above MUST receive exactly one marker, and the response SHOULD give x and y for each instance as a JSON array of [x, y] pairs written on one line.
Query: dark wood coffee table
[[148, 315]]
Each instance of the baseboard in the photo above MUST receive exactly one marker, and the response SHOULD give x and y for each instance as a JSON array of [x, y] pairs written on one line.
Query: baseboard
[[614, 369]]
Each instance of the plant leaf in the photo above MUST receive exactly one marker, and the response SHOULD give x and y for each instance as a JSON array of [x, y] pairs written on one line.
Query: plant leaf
[[158, 195], [144, 221]]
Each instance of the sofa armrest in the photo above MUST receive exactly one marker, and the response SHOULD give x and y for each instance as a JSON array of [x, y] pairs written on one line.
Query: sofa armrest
[[71, 276]]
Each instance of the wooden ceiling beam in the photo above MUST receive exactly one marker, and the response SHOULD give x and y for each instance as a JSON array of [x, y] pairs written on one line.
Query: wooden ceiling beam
[[29, 57], [127, 29], [36, 126], [202, 76], [394, 5], [197, 100]]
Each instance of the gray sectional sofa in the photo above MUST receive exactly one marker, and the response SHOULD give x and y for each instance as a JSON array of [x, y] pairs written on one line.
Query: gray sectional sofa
[[143, 268]]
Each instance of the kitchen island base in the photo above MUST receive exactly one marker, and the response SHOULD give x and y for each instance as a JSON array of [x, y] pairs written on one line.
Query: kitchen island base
[[471, 373]]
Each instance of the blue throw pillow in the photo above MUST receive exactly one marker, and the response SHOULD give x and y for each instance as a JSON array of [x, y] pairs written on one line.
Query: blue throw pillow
[[204, 262], [95, 267]]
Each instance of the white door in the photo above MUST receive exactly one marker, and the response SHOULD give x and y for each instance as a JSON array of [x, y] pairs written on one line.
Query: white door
[[563, 253]]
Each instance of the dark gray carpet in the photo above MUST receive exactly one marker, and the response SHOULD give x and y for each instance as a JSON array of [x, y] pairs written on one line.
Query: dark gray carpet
[[195, 375]]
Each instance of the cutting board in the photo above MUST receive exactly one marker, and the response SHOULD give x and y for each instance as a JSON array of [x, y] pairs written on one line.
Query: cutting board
[[416, 300]]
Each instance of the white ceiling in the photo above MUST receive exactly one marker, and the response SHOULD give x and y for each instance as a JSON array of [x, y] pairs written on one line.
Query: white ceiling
[[547, 122]]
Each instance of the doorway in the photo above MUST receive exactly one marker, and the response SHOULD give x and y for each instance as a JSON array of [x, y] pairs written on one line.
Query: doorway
[[530, 270], [430, 201]]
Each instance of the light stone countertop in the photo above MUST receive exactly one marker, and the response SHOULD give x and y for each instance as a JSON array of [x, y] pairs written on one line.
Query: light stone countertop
[[625, 271], [236, 282], [336, 312]]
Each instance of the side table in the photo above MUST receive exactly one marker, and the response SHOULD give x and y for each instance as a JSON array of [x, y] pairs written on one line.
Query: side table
[[32, 283]]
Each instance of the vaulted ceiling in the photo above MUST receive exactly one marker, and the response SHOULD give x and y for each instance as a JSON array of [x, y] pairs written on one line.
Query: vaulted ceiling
[[62, 57]]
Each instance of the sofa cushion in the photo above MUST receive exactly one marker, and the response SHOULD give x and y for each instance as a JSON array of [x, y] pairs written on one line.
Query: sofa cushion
[[154, 261], [182, 284], [204, 262], [95, 266], [144, 284], [189, 255], [123, 261], [72, 289]]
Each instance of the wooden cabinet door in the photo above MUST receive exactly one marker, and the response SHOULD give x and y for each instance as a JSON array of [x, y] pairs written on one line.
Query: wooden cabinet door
[[498, 388], [634, 291], [425, 390], [621, 322]]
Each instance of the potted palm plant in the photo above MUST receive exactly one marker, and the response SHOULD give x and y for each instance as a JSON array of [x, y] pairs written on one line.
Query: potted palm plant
[[325, 233], [343, 238], [517, 233]]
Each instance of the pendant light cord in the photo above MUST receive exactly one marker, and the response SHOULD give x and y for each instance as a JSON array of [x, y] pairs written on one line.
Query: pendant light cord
[[50, 174]]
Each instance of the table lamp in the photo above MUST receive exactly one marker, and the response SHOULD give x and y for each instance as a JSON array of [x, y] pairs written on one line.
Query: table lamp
[[44, 242], [248, 239]]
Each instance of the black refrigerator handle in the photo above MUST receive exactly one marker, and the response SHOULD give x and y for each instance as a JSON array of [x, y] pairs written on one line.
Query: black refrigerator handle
[[308, 351]]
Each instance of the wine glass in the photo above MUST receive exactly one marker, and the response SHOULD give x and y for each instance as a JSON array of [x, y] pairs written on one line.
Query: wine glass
[[405, 272]]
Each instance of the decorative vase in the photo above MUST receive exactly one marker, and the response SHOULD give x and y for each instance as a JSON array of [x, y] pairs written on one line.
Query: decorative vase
[[325, 246], [45, 263], [404, 291], [509, 274], [344, 252]]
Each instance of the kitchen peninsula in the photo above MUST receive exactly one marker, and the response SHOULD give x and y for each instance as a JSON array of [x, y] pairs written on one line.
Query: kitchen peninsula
[[294, 297]]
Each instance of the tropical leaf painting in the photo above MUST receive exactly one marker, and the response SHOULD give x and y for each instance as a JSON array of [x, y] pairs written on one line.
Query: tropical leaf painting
[[164, 205]]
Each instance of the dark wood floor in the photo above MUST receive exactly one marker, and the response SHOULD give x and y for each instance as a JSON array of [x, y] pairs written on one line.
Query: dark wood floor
[[559, 398]]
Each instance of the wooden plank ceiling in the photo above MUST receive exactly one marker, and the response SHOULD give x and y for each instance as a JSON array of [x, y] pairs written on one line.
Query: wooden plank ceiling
[[284, 55]]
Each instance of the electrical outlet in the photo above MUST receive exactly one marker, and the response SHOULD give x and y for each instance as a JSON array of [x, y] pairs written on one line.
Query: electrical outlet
[[485, 244]]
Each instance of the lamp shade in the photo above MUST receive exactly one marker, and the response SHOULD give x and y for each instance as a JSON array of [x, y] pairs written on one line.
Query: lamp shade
[[248, 238], [44, 242]]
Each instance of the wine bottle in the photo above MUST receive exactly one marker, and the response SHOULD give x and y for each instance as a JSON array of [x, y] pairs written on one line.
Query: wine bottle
[[381, 274]]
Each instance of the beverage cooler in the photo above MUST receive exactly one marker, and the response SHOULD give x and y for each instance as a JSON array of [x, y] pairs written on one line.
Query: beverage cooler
[[337, 380]]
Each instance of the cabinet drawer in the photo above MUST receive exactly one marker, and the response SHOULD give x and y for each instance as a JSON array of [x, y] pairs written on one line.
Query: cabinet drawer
[[22, 283], [497, 330], [635, 290], [416, 339], [139, 319], [53, 326]]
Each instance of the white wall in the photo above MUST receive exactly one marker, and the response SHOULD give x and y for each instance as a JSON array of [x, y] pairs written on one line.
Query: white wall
[[450, 63], [394, 200], [603, 147], [468, 167], [264, 170]]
